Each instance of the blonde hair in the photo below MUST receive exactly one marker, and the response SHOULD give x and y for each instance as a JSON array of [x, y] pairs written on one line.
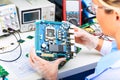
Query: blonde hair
[[112, 4], [115, 3]]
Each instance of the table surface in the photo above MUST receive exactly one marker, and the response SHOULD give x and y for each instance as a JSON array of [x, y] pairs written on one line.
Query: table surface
[[21, 70]]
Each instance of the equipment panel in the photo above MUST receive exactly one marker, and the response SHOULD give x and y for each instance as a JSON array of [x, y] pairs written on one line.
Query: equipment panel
[[8, 19], [31, 10]]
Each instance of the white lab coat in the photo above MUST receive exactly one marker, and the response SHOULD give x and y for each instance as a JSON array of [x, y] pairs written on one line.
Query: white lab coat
[[108, 68]]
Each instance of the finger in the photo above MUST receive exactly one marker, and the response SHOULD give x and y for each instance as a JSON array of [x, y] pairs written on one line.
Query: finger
[[75, 29], [32, 63], [32, 52], [36, 64], [58, 61], [33, 55], [78, 34], [35, 58], [30, 56]]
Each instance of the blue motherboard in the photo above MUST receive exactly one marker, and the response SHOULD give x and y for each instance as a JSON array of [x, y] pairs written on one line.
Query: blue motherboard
[[54, 40]]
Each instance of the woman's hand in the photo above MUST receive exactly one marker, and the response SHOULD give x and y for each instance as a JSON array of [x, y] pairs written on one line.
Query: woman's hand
[[47, 69], [84, 38]]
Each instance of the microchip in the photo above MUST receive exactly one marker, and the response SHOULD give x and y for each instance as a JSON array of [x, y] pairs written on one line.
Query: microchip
[[21, 41], [30, 37], [56, 48], [50, 32]]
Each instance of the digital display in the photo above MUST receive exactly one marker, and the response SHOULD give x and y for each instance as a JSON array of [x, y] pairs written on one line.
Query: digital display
[[31, 16]]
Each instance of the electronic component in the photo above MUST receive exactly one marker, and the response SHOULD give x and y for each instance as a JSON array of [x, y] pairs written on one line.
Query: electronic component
[[3, 73], [54, 40], [30, 37], [88, 13], [50, 33], [72, 13], [29, 11], [21, 41], [8, 19]]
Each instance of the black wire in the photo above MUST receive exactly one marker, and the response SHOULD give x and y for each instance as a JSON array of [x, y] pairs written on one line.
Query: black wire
[[90, 11], [12, 31], [13, 59], [90, 18], [18, 34], [12, 50]]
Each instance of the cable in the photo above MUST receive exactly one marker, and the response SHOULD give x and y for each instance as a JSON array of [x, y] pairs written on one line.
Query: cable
[[11, 31], [18, 34], [12, 50], [89, 9], [14, 59], [90, 18]]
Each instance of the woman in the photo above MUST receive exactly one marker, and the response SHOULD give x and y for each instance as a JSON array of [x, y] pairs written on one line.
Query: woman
[[108, 68]]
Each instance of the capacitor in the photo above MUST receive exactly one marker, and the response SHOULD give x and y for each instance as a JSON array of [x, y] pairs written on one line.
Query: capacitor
[[71, 30], [72, 41], [72, 37], [72, 48], [44, 45], [74, 54], [72, 26]]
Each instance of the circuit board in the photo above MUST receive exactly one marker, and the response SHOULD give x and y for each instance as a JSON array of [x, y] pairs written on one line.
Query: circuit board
[[3, 72], [54, 40]]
